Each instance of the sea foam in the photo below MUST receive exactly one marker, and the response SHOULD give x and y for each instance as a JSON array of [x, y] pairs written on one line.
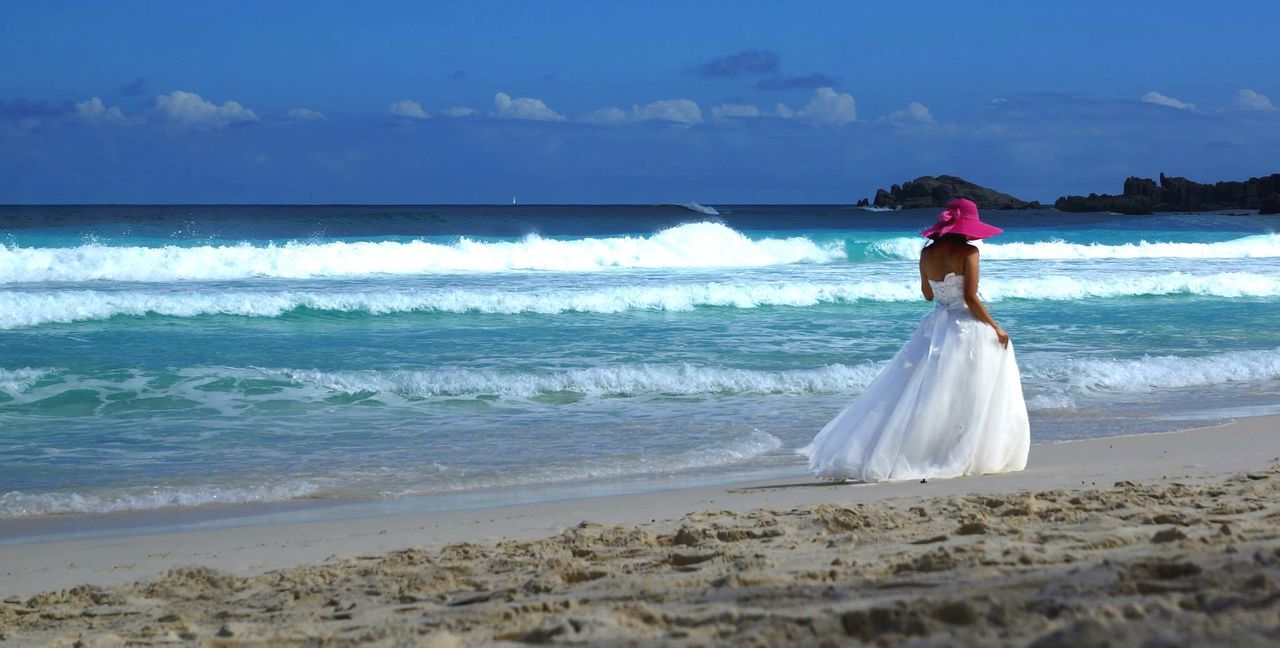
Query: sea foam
[[408, 482], [693, 245], [1256, 246], [615, 380], [34, 308], [1058, 380], [697, 208], [232, 390], [1157, 373], [223, 386], [15, 381], [16, 504]]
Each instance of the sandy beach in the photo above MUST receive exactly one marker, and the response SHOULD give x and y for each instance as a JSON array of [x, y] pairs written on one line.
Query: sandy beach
[[1125, 539], [465, 324]]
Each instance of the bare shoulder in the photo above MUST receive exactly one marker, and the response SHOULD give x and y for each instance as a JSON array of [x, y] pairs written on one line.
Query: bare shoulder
[[970, 249]]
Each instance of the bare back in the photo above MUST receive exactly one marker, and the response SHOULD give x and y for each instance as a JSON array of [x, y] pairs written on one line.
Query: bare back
[[945, 256], [954, 255]]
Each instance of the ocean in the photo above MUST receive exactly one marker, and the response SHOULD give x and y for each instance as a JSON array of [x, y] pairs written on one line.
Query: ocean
[[181, 356]]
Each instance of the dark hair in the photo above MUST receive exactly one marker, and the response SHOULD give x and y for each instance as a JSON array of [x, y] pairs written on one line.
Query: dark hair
[[951, 235]]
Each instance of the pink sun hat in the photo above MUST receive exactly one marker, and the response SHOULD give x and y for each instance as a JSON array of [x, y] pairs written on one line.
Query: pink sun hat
[[961, 217]]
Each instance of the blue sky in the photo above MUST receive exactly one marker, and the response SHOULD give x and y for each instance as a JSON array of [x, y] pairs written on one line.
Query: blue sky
[[634, 102]]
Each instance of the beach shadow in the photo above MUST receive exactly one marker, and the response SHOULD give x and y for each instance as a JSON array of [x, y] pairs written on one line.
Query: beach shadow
[[807, 484]]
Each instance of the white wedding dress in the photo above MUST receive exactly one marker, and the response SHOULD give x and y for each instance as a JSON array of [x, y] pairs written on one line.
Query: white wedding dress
[[948, 404]]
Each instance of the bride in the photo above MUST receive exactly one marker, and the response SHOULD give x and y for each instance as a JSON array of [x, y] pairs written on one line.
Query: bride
[[950, 402]]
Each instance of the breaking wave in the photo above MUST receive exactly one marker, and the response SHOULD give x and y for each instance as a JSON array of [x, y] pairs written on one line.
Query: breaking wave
[[16, 504], [617, 380], [410, 481], [1155, 373], [693, 245], [696, 208], [1256, 246], [28, 308], [1079, 376]]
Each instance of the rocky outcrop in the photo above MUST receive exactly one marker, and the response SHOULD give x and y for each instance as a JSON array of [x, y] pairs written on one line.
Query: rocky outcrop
[[1270, 205], [1146, 196], [930, 191]]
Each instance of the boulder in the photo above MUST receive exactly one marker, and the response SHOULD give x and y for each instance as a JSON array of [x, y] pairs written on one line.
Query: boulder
[[1270, 205], [884, 198], [1145, 196], [937, 191]]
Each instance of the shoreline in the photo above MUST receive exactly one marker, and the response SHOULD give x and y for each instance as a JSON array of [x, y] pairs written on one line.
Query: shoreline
[[1196, 454], [180, 519]]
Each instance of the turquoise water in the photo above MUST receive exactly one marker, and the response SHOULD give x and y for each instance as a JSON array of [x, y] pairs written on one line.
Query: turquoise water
[[177, 356]]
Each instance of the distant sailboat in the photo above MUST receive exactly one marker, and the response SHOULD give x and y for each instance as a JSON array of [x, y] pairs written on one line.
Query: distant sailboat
[[513, 200]]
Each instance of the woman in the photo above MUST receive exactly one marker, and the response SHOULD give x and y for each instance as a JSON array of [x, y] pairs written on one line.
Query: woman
[[950, 402]]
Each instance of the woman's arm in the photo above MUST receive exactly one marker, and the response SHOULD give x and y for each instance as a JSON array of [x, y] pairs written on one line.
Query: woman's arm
[[971, 298], [925, 288]]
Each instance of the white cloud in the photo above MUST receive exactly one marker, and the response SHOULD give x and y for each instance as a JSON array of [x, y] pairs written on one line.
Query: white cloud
[[305, 114], [189, 110], [830, 107], [913, 112], [408, 108], [93, 110], [684, 111], [1247, 99], [523, 108], [1154, 97], [607, 116], [458, 111], [732, 110], [827, 107], [681, 111]]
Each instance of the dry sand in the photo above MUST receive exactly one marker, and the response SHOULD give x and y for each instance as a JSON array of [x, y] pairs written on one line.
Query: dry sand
[[1173, 538]]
